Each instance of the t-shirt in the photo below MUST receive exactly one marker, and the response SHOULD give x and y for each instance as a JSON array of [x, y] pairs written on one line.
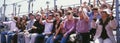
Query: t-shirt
[[40, 28], [48, 26]]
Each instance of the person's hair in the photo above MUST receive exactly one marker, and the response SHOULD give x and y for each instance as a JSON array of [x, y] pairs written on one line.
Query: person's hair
[[60, 13], [70, 8], [15, 18], [30, 14], [91, 6], [94, 9], [68, 13]]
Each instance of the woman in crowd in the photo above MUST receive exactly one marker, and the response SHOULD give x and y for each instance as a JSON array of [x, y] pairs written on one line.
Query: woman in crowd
[[104, 28], [13, 29], [68, 27], [23, 24], [57, 35], [48, 22]]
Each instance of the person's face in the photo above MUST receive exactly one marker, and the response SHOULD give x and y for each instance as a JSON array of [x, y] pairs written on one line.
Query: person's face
[[31, 17], [57, 16], [18, 19], [80, 14], [103, 14], [50, 17], [23, 21], [37, 17], [95, 11], [69, 16], [24, 17]]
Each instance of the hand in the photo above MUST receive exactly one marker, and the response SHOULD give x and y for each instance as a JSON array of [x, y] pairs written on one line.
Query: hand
[[54, 37], [64, 35], [33, 27], [25, 31]]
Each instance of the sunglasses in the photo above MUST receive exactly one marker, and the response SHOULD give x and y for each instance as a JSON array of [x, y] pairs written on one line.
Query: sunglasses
[[103, 12], [56, 15], [68, 14]]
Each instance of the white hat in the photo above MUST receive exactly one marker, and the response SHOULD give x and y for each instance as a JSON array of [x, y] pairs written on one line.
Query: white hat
[[50, 14], [108, 11]]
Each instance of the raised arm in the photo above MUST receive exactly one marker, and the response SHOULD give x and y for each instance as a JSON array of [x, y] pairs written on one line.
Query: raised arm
[[85, 16]]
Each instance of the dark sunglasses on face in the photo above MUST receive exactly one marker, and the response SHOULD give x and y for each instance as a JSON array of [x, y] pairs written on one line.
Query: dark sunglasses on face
[[68, 14], [103, 12], [56, 15]]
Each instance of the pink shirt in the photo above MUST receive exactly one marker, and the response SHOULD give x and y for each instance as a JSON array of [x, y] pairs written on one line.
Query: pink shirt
[[82, 26]]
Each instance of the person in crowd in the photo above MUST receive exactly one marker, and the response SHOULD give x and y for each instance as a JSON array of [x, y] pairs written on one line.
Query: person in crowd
[[19, 26], [82, 27], [24, 17], [69, 9], [69, 25], [75, 11], [29, 27], [13, 29], [104, 28], [31, 21], [85, 7], [94, 16], [57, 35], [48, 22], [37, 28], [22, 27]]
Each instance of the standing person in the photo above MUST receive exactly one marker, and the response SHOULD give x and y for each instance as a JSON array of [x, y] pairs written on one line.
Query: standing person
[[82, 27], [57, 35], [28, 27], [48, 22], [104, 28], [69, 25], [11, 32]]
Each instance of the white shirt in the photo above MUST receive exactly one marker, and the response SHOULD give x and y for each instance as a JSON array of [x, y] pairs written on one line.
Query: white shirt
[[30, 24], [12, 25], [48, 26]]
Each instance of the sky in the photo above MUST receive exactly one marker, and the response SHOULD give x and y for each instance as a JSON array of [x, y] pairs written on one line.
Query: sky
[[37, 4]]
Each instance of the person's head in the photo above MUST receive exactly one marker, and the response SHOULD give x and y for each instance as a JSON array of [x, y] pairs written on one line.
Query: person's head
[[57, 16], [24, 17], [69, 8], [23, 20], [31, 16], [15, 18], [60, 13], [74, 9], [69, 15], [80, 14], [91, 6], [95, 10], [37, 17], [50, 16], [19, 19], [105, 13], [84, 3]]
